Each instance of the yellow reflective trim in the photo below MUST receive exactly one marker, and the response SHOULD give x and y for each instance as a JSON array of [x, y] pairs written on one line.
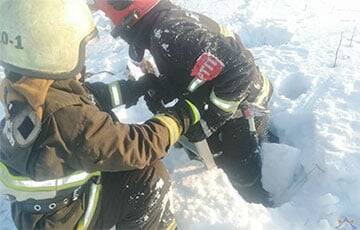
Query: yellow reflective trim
[[27, 185], [226, 32], [264, 92], [94, 196], [194, 111], [225, 105], [172, 225], [172, 125]]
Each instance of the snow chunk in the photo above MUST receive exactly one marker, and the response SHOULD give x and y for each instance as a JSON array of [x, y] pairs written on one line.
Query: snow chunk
[[280, 163]]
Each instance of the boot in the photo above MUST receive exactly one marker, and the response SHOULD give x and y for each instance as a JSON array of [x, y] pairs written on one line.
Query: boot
[[255, 193]]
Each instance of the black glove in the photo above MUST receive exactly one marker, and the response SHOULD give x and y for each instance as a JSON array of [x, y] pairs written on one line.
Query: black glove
[[185, 112], [154, 101], [101, 93], [127, 92], [132, 90], [196, 133], [159, 95]]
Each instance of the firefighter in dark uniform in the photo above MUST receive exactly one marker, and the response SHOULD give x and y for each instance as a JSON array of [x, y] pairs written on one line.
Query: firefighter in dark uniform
[[64, 162], [200, 60]]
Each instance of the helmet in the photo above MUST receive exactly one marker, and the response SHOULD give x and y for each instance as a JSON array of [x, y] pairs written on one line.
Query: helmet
[[125, 12], [45, 39]]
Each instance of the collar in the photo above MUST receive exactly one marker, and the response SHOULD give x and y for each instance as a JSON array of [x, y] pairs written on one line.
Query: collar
[[138, 36]]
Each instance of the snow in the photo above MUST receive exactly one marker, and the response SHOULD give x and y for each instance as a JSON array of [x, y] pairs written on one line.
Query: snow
[[278, 156], [205, 199], [314, 174]]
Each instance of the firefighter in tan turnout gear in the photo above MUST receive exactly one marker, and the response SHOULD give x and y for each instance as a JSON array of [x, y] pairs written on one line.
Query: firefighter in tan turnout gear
[[64, 162]]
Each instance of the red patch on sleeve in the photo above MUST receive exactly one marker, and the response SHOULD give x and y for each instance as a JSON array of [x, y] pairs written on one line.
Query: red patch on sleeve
[[207, 67]]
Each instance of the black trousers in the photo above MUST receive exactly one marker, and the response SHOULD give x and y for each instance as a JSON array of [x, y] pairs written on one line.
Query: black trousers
[[240, 159], [135, 199]]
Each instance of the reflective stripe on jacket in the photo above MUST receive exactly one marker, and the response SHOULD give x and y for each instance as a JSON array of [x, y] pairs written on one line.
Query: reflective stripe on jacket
[[22, 188]]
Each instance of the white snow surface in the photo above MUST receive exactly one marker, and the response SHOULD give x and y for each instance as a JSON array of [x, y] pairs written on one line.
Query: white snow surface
[[314, 174]]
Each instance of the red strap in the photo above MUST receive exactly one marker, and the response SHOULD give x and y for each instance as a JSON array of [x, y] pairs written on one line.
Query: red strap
[[207, 67]]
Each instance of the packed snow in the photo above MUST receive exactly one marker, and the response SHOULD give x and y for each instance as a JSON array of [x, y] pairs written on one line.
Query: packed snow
[[314, 173]]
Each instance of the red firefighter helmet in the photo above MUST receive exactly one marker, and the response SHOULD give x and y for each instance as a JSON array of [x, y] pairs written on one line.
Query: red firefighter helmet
[[126, 12]]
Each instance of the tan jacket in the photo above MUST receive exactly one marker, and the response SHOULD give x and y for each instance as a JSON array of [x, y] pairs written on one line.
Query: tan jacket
[[77, 136], [81, 137]]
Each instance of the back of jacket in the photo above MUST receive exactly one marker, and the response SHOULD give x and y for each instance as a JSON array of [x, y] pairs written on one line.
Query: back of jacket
[[77, 136], [179, 37]]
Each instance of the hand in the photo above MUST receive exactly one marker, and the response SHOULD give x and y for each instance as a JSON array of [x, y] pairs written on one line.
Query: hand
[[196, 133], [154, 102], [185, 112], [132, 90], [101, 93], [157, 97]]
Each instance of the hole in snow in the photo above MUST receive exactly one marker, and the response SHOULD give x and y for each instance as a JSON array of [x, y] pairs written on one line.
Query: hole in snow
[[294, 86]]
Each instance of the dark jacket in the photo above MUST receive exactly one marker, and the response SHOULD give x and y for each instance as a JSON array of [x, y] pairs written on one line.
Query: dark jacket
[[177, 38]]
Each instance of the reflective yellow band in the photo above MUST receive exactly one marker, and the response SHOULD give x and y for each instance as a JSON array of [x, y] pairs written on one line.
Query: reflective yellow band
[[194, 111], [172, 225], [115, 92], [172, 125], [23, 188], [264, 92], [226, 32], [94, 196], [26, 184], [195, 84], [225, 105]]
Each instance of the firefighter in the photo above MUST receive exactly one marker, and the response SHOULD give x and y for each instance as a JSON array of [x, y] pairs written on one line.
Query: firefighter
[[64, 162], [200, 60]]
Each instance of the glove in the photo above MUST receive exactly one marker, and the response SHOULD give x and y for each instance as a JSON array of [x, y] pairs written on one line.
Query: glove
[[121, 92], [159, 96], [154, 102], [196, 133], [132, 90], [185, 112], [101, 94]]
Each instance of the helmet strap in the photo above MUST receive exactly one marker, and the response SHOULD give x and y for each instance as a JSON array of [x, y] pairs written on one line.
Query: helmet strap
[[131, 19], [127, 24], [120, 5]]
